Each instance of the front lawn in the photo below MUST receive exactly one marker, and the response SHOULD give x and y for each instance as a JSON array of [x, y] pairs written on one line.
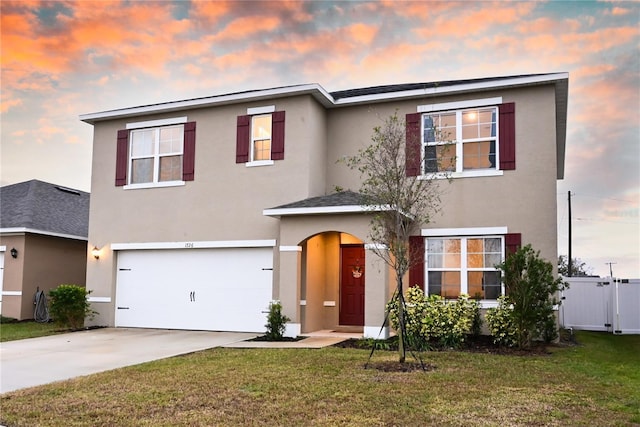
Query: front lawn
[[12, 330], [595, 383]]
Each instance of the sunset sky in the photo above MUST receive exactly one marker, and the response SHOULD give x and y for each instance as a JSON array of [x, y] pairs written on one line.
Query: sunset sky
[[61, 59]]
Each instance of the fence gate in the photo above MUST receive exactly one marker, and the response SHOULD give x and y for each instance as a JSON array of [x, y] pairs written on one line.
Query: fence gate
[[601, 304]]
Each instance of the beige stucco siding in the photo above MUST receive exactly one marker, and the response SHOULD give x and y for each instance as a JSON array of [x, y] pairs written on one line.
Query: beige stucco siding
[[524, 200], [43, 262], [224, 202]]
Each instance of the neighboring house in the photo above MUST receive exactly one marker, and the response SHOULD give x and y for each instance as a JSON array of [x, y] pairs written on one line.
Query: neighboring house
[[43, 242], [221, 204]]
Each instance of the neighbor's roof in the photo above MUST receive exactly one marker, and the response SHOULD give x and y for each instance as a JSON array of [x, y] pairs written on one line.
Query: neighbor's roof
[[43, 208], [367, 95]]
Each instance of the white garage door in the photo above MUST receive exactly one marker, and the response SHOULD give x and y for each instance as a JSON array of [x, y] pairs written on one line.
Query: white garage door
[[226, 289]]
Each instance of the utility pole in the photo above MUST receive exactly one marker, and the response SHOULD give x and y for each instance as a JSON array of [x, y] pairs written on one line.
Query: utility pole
[[569, 260], [610, 268]]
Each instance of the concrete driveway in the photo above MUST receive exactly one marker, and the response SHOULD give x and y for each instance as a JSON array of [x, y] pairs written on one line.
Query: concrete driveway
[[37, 361]]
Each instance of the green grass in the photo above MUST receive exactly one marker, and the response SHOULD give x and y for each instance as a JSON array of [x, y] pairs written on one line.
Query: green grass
[[10, 331], [594, 384]]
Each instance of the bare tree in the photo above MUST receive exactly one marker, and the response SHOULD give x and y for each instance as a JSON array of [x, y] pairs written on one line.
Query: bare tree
[[400, 204]]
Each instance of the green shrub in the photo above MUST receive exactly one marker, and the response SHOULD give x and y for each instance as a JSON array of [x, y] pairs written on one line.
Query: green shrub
[[435, 320], [276, 322], [531, 290], [501, 325], [69, 307]]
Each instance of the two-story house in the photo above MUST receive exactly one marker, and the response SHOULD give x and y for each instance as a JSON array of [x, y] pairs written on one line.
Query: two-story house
[[206, 209]]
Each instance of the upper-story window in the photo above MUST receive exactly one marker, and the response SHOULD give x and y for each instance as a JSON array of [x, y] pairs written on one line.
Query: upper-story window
[[457, 141], [260, 136], [461, 139], [156, 153]]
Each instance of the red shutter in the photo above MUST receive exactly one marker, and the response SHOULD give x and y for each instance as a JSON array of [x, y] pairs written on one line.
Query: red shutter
[[243, 139], [507, 135], [189, 154], [277, 135], [512, 242], [412, 150], [416, 261], [122, 158]]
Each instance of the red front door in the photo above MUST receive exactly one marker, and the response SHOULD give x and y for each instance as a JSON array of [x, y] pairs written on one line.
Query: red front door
[[352, 285]]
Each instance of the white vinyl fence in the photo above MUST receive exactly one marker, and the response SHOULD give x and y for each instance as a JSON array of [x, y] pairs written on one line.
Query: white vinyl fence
[[601, 304]]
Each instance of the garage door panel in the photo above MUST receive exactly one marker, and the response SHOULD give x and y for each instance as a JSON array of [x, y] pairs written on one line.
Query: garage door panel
[[207, 289]]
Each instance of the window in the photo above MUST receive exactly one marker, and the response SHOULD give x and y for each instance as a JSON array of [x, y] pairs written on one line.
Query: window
[[464, 265], [464, 139], [156, 153], [457, 141], [260, 136]]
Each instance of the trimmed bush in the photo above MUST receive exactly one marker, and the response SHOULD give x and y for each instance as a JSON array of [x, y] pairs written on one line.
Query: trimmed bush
[[531, 290], [501, 325], [69, 307], [433, 319], [276, 322]]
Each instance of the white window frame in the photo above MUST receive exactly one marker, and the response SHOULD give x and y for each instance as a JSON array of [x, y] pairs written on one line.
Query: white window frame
[[459, 107], [256, 112], [156, 126], [463, 269]]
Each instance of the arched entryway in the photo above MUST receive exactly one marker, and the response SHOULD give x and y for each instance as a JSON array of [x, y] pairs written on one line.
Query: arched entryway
[[332, 282]]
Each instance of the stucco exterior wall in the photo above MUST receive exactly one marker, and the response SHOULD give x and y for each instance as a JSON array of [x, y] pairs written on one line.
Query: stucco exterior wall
[[43, 262], [224, 202], [524, 199], [13, 275]]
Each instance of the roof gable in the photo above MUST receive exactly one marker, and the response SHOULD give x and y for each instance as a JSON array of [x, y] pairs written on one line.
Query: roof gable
[[39, 206]]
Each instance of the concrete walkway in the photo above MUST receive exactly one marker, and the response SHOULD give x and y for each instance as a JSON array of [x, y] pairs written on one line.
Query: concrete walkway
[[37, 361]]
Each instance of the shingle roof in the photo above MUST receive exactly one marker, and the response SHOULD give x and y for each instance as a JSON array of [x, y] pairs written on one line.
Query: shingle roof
[[375, 90], [44, 207], [342, 198]]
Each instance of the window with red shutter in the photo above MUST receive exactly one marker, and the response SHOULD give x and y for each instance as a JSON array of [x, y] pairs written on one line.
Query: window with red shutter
[[512, 242], [416, 257], [122, 157], [156, 156], [277, 136], [413, 144], [507, 123], [243, 139], [260, 138], [189, 152]]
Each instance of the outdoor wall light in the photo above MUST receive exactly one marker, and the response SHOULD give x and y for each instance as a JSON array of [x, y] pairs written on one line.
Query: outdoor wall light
[[95, 252], [14, 252]]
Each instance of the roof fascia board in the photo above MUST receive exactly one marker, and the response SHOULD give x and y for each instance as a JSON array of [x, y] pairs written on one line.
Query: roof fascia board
[[318, 93], [313, 89], [323, 210], [468, 87], [20, 230]]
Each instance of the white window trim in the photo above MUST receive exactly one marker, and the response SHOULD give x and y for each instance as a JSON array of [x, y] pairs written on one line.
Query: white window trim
[[156, 156], [255, 163], [154, 185], [254, 111], [252, 142], [459, 107], [157, 123], [465, 233], [484, 102], [468, 231]]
